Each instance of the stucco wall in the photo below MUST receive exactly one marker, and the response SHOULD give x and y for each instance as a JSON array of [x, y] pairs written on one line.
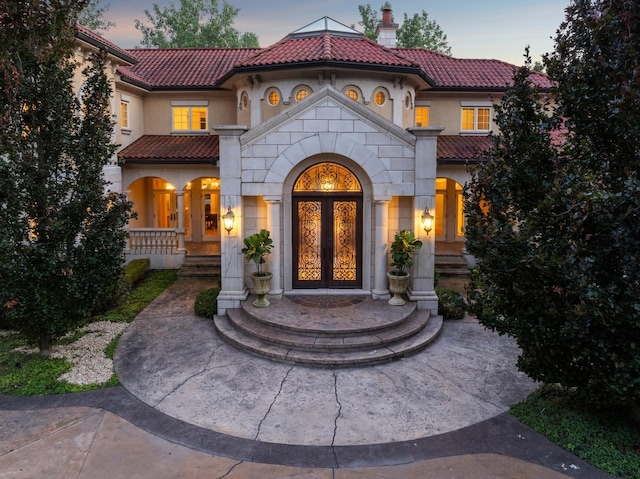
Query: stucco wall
[[222, 109]]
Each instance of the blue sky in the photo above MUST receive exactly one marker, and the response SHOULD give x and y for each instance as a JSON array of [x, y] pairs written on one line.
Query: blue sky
[[497, 29]]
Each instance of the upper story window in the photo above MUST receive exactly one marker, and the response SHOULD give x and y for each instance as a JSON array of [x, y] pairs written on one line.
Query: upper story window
[[124, 114], [189, 115], [476, 117], [244, 100], [380, 98], [273, 97], [351, 93], [422, 115], [408, 101], [301, 94]]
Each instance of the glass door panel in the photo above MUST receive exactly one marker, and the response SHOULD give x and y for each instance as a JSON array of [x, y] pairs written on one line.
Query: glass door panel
[[309, 250], [211, 214], [165, 209], [345, 241], [327, 239]]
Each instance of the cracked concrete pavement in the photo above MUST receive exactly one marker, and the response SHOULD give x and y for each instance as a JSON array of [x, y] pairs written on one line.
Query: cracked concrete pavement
[[176, 362], [192, 406]]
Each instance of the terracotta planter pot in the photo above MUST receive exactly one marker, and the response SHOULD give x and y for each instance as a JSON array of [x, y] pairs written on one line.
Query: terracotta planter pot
[[261, 286], [397, 286]]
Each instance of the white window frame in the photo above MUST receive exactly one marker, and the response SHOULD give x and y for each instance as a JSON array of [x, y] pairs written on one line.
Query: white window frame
[[421, 104], [190, 104], [475, 106], [125, 128]]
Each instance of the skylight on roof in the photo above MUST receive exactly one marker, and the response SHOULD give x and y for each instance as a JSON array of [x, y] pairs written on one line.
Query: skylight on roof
[[325, 24]]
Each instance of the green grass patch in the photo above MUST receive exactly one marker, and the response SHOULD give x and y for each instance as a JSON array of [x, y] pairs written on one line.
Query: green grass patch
[[23, 374], [606, 438], [138, 298], [110, 350]]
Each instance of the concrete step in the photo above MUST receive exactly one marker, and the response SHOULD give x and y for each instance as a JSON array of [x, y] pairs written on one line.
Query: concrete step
[[451, 265], [200, 266], [367, 332], [328, 341], [337, 358], [450, 261]]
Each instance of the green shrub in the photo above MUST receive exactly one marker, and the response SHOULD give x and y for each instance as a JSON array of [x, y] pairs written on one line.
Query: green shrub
[[451, 304], [135, 270], [603, 436], [206, 303]]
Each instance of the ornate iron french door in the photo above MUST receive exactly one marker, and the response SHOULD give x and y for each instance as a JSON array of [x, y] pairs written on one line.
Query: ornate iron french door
[[327, 242]]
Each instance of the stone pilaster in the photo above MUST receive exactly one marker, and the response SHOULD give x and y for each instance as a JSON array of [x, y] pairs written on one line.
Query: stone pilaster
[[233, 289], [422, 289]]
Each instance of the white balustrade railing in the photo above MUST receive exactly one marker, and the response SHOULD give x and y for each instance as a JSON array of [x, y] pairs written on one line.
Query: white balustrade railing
[[152, 241]]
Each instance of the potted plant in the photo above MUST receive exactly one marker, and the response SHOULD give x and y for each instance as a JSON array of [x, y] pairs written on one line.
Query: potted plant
[[404, 245], [256, 247]]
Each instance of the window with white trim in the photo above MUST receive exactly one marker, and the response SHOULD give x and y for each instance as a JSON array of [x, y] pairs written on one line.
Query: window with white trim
[[475, 117], [422, 113], [189, 116], [273, 96], [124, 114]]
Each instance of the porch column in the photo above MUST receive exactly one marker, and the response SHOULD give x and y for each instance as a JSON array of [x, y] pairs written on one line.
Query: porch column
[[422, 290], [380, 289], [233, 289], [275, 258], [180, 230]]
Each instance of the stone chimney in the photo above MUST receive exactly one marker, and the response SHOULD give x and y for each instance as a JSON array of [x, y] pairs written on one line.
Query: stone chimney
[[386, 30]]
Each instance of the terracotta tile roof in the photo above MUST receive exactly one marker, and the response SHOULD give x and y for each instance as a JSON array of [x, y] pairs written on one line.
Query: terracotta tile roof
[[458, 148], [89, 36], [449, 72], [326, 47], [207, 68], [176, 68], [168, 149]]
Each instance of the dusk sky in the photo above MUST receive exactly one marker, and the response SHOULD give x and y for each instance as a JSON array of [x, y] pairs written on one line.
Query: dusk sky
[[499, 29]]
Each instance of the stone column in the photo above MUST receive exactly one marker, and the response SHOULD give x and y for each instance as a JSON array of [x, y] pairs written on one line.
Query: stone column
[[380, 289], [422, 289], [275, 258], [233, 289], [180, 230]]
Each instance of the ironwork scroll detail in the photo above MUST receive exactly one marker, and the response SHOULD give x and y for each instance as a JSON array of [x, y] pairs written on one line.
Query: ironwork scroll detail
[[309, 244], [344, 240]]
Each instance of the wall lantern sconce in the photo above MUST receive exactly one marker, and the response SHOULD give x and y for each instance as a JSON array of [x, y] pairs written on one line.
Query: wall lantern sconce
[[227, 220], [427, 220]]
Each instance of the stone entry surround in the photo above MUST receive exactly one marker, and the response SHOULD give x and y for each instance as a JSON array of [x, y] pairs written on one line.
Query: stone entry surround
[[260, 165]]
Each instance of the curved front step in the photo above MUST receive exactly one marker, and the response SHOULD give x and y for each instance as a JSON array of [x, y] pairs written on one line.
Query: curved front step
[[313, 338], [356, 331], [343, 358]]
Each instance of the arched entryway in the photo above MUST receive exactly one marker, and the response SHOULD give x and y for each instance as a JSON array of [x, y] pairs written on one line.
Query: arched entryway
[[327, 223]]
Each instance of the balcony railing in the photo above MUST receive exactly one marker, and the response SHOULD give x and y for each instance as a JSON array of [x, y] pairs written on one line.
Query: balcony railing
[[152, 241]]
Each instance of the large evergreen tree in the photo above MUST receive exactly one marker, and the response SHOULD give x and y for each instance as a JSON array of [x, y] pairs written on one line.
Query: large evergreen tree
[[195, 24], [62, 242], [554, 215]]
